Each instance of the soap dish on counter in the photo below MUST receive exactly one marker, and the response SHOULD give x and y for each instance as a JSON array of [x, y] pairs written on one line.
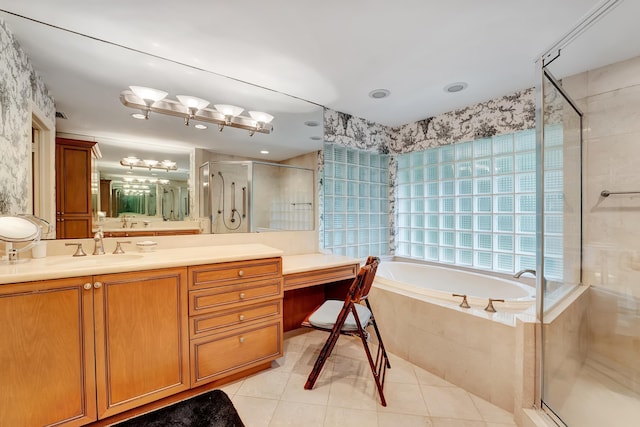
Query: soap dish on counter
[[146, 245]]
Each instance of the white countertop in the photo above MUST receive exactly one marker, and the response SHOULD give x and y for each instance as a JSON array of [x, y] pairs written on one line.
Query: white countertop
[[309, 262], [55, 267]]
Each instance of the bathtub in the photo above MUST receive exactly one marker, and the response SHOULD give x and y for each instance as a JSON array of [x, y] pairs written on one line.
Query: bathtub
[[425, 280], [481, 352]]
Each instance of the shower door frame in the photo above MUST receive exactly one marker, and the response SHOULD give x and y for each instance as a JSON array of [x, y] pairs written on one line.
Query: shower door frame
[[543, 75]]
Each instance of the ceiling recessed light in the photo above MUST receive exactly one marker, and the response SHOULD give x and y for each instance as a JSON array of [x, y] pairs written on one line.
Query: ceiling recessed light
[[264, 152], [199, 126], [138, 116], [311, 123], [455, 87], [379, 93], [315, 138]]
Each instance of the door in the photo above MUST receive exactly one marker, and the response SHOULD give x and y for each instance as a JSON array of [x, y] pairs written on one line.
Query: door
[[559, 241], [47, 354], [142, 342], [73, 188]]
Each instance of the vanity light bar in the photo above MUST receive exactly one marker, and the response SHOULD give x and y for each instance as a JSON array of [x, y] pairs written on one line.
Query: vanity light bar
[[132, 162], [208, 115]]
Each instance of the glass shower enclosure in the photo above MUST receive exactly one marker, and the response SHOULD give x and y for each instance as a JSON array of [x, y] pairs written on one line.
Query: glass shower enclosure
[[253, 196]]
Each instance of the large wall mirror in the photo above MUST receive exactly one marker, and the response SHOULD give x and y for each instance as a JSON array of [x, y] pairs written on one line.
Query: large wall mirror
[[88, 80]]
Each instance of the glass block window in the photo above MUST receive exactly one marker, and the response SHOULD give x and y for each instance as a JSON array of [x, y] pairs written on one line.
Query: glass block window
[[478, 203], [356, 202], [553, 201]]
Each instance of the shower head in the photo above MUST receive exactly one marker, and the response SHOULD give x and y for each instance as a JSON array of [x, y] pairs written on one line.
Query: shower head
[[220, 173]]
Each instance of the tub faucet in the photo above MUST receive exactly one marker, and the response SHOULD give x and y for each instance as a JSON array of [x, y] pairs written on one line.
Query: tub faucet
[[490, 308], [464, 303], [99, 244], [521, 272]]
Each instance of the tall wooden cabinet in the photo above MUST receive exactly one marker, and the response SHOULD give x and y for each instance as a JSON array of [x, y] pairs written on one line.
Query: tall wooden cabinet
[[73, 188]]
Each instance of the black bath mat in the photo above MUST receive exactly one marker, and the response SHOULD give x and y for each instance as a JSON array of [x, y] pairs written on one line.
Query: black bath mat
[[211, 409]]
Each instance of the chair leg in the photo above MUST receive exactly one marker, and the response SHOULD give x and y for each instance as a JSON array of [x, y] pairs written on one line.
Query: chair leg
[[375, 328], [328, 346], [378, 368]]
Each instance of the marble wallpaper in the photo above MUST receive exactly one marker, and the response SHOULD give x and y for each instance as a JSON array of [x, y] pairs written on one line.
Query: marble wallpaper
[[19, 87]]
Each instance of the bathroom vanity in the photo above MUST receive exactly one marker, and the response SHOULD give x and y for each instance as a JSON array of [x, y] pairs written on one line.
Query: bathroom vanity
[[87, 338]]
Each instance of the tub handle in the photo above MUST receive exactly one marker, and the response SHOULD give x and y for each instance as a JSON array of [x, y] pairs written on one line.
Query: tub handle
[[464, 303], [490, 308]]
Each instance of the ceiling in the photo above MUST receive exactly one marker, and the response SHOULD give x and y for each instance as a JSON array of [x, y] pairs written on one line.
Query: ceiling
[[308, 54]]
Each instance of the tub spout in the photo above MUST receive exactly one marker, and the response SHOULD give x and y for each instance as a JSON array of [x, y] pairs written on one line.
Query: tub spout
[[521, 272]]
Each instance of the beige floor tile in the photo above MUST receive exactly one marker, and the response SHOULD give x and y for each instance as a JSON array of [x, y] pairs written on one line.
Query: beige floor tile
[[255, 411], [390, 419], [348, 367], [354, 393], [454, 422], [268, 384], [288, 362], [347, 417], [401, 372], [295, 392], [295, 414], [490, 412], [404, 399], [231, 388], [449, 402], [512, 424]]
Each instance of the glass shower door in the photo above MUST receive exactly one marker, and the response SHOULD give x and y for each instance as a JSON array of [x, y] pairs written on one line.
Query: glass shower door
[[559, 244]]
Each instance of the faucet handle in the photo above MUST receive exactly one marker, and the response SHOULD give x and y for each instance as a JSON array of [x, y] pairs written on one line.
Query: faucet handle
[[79, 251], [464, 303], [490, 308], [119, 248]]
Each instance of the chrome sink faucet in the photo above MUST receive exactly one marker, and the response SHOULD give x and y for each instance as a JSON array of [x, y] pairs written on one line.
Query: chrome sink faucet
[[99, 244], [521, 272]]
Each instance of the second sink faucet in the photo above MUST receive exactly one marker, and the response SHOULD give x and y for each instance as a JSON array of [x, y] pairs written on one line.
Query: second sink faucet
[[99, 244], [521, 272]]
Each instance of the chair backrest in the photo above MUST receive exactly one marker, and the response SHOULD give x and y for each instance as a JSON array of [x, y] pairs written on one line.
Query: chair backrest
[[361, 286]]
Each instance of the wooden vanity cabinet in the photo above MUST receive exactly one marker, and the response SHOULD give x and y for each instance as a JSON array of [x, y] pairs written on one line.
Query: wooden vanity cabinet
[[141, 336], [47, 363], [143, 232], [235, 317]]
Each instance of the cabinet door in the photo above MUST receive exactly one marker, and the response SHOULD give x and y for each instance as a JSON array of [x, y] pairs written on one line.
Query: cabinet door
[[46, 353], [142, 342]]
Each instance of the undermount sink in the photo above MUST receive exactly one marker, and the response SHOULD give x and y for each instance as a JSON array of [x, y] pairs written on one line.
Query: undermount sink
[[89, 260]]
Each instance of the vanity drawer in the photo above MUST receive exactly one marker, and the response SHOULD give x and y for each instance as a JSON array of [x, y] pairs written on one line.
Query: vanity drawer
[[223, 297], [206, 324], [219, 355], [206, 276]]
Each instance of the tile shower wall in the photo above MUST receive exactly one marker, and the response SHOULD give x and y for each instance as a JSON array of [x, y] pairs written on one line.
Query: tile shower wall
[[610, 98], [20, 86], [356, 203]]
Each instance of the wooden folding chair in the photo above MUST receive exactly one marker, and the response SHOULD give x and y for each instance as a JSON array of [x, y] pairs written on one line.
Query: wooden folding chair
[[350, 318]]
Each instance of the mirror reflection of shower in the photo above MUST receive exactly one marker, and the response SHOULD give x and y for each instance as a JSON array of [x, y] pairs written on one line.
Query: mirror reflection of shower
[[234, 215], [174, 202]]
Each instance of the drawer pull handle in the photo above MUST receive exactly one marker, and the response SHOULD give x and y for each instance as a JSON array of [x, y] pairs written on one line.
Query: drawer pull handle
[[241, 340], [242, 295], [97, 285], [240, 273], [87, 286], [241, 317]]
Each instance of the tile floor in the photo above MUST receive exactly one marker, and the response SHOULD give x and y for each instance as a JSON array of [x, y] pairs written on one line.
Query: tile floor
[[345, 394]]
